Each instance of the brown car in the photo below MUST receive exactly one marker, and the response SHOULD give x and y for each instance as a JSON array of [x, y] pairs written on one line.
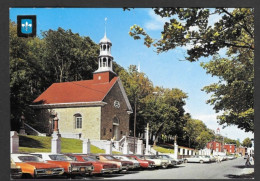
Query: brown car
[[71, 168], [99, 166], [34, 167], [122, 165]]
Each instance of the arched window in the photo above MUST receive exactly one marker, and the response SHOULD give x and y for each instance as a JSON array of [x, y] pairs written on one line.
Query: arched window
[[108, 47], [116, 121], [104, 47], [109, 62], [104, 62], [78, 121]]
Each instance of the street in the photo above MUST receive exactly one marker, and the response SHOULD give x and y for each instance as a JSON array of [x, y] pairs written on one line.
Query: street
[[225, 170]]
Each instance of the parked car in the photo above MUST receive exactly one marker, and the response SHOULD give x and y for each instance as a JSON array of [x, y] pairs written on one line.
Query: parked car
[[122, 165], [34, 167], [99, 167], [157, 161], [71, 168], [171, 161], [196, 159], [16, 171], [136, 164], [231, 157], [211, 158], [142, 161]]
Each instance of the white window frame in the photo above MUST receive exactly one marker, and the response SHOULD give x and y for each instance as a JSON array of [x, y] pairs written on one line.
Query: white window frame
[[78, 121]]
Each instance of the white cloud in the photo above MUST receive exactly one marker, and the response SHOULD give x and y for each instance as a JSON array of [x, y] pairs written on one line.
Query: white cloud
[[156, 22]]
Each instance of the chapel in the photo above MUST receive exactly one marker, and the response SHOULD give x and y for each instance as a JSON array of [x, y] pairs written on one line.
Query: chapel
[[97, 109]]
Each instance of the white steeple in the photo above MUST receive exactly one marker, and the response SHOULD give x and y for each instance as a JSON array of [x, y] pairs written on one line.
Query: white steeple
[[105, 59]]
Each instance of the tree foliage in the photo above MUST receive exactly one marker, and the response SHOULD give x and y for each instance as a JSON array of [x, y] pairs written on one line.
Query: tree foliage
[[247, 143], [37, 63], [234, 31]]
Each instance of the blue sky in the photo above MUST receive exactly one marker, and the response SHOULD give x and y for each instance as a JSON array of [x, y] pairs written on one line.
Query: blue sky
[[166, 69]]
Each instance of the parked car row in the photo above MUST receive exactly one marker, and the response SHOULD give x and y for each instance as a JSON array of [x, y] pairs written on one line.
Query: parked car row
[[37, 165], [208, 158]]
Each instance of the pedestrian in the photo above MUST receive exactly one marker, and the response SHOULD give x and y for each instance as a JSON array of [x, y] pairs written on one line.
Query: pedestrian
[[218, 159], [251, 160], [247, 160], [112, 140]]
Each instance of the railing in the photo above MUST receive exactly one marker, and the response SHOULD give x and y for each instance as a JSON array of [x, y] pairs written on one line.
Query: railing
[[35, 132]]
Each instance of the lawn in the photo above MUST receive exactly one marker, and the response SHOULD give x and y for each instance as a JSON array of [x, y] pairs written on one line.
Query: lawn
[[163, 149], [29, 144]]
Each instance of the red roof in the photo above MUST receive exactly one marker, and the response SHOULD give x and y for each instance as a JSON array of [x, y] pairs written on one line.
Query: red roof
[[77, 91]]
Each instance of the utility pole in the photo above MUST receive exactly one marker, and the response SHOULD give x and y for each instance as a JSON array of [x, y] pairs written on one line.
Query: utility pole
[[134, 125]]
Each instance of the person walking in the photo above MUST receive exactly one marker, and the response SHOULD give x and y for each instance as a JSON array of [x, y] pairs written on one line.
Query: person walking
[[247, 160]]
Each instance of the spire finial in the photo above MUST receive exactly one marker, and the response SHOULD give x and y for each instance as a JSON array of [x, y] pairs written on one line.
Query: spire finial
[[105, 27]]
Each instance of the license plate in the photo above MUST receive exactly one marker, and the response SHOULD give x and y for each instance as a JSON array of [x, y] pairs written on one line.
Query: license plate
[[82, 169], [48, 172]]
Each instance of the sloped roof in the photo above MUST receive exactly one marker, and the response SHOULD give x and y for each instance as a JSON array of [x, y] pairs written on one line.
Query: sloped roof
[[74, 92]]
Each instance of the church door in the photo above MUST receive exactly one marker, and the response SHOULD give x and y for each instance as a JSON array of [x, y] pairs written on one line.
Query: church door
[[115, 132]]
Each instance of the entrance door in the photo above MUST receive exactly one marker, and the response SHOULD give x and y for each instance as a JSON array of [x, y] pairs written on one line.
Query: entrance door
[[115, 132]]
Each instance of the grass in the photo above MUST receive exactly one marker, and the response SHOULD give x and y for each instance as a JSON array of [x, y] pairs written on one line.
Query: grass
[[163, 149], [29, 144]]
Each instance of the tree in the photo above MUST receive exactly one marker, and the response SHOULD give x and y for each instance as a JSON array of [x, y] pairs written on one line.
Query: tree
[[69, 57], [25, 70], [137, 87], [247, 143], [234, 30]]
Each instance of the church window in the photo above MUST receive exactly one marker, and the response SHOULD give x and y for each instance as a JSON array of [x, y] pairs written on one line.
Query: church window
[[104, 47], [108, 47], [78, 121], [116, 121]]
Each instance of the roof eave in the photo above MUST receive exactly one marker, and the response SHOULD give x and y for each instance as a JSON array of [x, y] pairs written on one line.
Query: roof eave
[[66, 105]]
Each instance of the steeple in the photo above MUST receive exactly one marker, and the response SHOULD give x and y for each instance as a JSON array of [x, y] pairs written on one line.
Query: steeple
[[105, 59]]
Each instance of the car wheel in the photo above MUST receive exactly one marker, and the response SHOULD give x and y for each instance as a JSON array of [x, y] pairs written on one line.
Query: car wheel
[[164, 165], [201, 161]]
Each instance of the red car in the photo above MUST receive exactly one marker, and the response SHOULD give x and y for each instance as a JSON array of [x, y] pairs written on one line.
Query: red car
[[143, 163], [99, 167], [121, 165]]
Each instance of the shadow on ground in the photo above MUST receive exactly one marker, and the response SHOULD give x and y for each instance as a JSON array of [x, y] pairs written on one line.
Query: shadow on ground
[[243, 166], [29, 142], [251, 175]]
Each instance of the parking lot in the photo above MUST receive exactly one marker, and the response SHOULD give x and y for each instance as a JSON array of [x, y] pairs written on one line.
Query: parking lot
[[224, 170]]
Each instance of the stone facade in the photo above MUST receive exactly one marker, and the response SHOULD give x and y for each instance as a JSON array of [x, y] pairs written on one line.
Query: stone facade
[[90, 122], [110, 114]]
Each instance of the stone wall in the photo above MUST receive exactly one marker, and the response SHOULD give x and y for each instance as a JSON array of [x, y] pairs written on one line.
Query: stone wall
[[109, 112], [90, 122]]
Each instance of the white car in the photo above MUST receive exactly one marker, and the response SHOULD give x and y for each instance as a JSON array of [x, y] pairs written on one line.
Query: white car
[[157, 161], [171, 161], [136, 164], [197, 159]]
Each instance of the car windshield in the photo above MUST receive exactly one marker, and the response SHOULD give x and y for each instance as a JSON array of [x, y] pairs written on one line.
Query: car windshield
[[151, 157], [29, 158], [140, 157], [89, 159], [165, 156], [109, 157], [131, 158], [60, 158], [72, 157]]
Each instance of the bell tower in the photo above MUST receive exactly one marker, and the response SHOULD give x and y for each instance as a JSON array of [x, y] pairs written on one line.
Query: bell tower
[[105, 72]]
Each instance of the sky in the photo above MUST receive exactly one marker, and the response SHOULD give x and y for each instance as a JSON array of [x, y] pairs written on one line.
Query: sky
[[169, 69]]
